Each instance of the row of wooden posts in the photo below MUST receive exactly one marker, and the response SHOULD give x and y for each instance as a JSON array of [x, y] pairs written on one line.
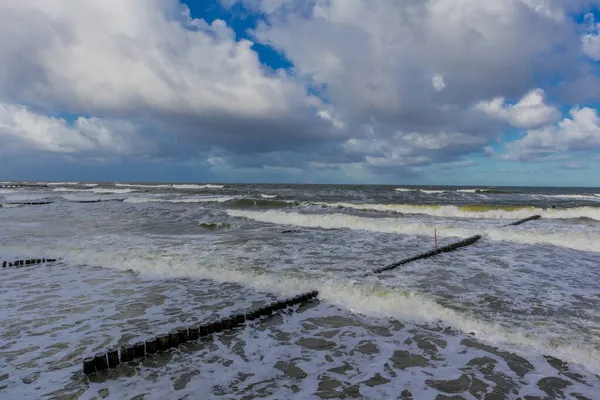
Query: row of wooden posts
[[163, 342], [23, 263]]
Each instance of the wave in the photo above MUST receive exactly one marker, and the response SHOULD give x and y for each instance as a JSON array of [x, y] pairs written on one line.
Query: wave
[[497, 191], [480, 211], [205, 199], [370, 298], [417, 190], [268, 196], [95, 190], [591, 197], [575, 240], [189, 186], [141, 185], [59, 183], [262, 203]]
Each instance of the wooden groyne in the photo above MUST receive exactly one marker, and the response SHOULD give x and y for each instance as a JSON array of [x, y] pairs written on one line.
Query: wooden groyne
[[522, 221], [444, 249], [29, 203], [21, 185], [26, 263], [165, 341]]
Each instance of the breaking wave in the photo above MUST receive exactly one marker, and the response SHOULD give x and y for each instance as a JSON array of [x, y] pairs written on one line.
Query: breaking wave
[[583, 241], [487, 211]]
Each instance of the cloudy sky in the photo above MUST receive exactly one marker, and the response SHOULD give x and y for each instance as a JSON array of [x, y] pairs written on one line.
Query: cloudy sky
[[497, 92]]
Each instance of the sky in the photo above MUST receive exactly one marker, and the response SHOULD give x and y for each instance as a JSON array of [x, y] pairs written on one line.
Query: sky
[[432, 92]]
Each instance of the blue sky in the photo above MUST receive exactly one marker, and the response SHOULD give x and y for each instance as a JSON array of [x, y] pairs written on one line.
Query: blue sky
[[502, 92]]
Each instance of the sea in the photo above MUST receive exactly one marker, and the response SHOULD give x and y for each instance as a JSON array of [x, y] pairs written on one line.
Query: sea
[[515, 315]]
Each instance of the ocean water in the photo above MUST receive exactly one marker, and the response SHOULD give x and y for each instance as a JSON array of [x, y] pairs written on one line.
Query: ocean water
[[514, 316]]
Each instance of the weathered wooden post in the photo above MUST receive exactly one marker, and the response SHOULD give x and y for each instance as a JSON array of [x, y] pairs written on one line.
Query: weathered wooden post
[[101, 362], [127, 353], [89, 365], [138, 350], [151, 346], [203, 330], [183, 335], [227, 323], [162, 342], [173, 338], [113, 358], [194, 332]]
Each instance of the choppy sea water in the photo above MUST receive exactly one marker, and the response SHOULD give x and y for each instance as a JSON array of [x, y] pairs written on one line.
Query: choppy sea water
[[517, 315]]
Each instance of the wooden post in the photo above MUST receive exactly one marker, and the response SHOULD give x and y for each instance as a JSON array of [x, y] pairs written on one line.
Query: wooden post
[[162, 342], [203, 330], [183, 335], [173, 338], [250, 316], [227, 323], [89, 365], [151, 345], [139, 350], [240, 319], [113, 358], [127, 353], [194, 332], [101, 361]]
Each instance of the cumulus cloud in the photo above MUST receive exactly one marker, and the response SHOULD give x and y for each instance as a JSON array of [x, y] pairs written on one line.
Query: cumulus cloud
[[580, 132], [591, 40], [383, 100], [529, 112], [21, 127]]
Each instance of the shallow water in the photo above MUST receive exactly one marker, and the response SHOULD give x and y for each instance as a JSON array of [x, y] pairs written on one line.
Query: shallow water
[[517, 314]]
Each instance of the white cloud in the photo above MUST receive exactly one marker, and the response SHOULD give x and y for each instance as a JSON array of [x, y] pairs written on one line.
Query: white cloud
[[591, 40], [20, 126], [530, 111], [122, 56], [378, 64], [581, 132]]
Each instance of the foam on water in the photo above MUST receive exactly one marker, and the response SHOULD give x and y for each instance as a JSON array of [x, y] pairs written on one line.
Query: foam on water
[[142, 185], [483, 211], [585, 241], [371, 297], [268, 196], [95, 190], [189, 186], [195, 199], [128, 272]]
